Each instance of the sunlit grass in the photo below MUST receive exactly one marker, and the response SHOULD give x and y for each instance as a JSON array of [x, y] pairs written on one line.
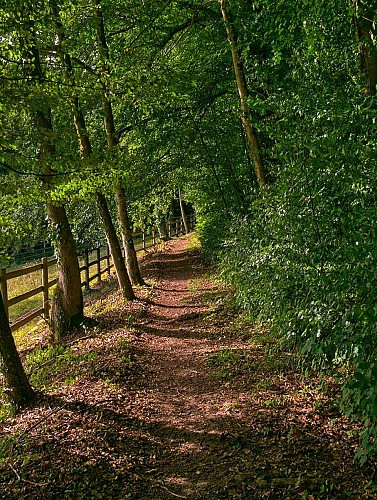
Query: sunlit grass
[[48, 367], [193, 242], [22, 284]]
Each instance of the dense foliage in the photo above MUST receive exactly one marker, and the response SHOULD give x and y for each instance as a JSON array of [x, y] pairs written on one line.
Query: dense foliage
[[300, 250], [303, 257]]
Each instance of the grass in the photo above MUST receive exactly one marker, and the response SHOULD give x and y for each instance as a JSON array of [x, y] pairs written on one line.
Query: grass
[[264, 354], [18, 286], [229, 363], [22, 284], [50, 366], [193, 242]]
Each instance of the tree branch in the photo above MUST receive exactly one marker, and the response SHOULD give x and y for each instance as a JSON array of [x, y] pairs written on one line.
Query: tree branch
[[34, 174]]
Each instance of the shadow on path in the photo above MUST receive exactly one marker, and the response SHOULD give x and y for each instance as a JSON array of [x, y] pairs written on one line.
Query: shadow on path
[[148, 417]]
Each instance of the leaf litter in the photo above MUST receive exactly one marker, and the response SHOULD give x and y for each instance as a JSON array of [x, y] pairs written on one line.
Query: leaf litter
[[172, 396]]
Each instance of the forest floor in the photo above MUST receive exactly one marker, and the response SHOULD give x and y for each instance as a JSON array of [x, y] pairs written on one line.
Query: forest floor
[[176, 395]]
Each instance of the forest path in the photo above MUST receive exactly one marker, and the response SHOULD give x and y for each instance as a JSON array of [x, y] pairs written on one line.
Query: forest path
[[226, 419], [175, 396], [197, 419]]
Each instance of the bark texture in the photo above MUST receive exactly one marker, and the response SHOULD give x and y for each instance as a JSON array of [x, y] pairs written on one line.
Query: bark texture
[[67, 308], [128, 243], [116, 251], [16, 385], [162, 227], [183, 212], [243, 92]]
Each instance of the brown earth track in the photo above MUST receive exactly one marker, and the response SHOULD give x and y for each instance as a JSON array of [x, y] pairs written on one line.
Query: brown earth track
[[150, 420]]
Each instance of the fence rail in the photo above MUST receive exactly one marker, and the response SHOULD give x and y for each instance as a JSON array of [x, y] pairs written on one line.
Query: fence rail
[[95, 258]]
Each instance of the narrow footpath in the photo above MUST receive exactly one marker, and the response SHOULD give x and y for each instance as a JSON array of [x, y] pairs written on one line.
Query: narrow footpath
[[174, 396], [198, 418]]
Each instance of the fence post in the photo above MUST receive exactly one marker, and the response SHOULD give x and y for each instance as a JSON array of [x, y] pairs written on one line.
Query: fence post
[[99, 265], [86, 263], [46, 304], [144, 246], [4, 289], [153, 235], [169, 230], [108, 258]]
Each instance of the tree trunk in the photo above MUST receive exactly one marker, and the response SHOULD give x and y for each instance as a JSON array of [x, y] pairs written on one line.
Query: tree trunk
[[183, 212], [16, 385], [162, 227], [120, 197], [112, 139], [366, 34], [116, 251], [67, 307], [86, 152], [250, 132], [128, 242]]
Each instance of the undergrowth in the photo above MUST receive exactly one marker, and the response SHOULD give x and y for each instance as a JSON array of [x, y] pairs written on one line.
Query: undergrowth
[[316, 305], [229, 363], [48, 367]]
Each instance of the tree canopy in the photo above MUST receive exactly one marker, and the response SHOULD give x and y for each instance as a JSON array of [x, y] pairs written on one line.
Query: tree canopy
[[261, 113]]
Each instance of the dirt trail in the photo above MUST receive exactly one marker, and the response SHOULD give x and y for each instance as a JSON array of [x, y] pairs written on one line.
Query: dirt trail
[[254, 433], [195, 415], [138, 412]]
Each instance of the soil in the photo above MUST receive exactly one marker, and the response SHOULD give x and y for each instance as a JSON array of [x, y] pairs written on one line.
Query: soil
[[174, 396]]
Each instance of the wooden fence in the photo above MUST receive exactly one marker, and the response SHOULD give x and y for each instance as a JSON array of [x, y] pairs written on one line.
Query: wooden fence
[[142, 240]]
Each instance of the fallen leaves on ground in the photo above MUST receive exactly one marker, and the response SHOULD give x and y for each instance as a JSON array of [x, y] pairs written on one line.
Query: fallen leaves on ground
[[173, 396]]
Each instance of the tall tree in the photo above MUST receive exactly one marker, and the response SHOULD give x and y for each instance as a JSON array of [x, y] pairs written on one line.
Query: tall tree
[[238, 67], [183, 211], [67, 304], [86, 153], [112, 139]]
